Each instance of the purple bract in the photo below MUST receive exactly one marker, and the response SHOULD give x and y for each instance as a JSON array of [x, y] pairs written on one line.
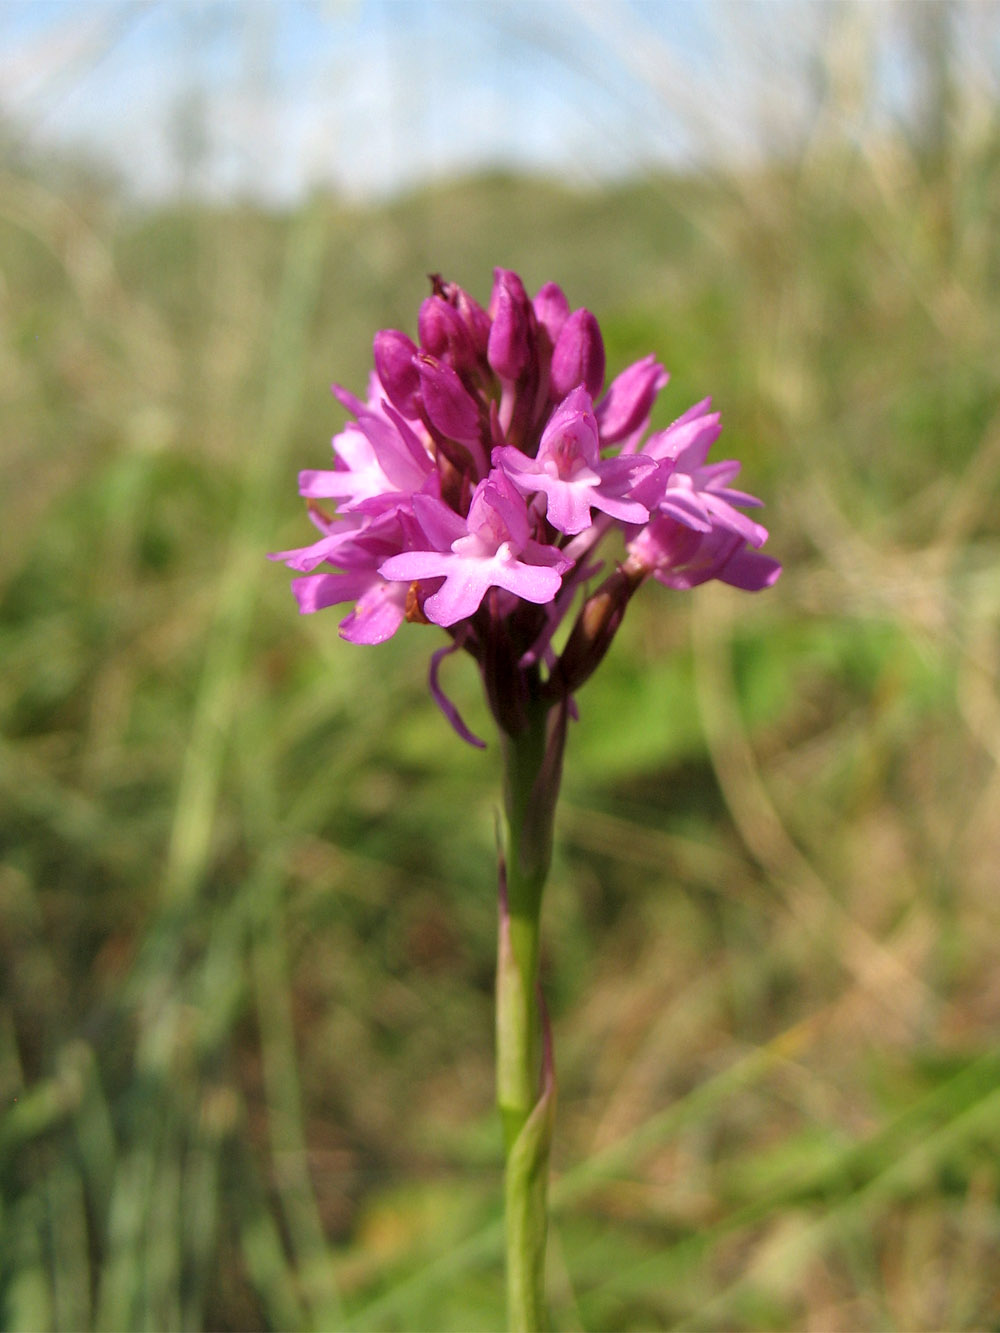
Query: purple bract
[[474, 485]]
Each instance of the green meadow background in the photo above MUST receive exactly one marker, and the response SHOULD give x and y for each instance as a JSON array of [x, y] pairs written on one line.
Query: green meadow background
[[247, 892]]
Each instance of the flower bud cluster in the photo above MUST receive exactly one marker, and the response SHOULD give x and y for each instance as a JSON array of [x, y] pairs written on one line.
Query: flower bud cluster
[[475, 483]]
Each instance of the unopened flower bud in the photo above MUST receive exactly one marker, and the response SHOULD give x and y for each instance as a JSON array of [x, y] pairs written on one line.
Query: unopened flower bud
[[444, 334], [449, 406], [512, 340], [398, 375], [578, 357], [627, 404], [551, 309], [473, 316]]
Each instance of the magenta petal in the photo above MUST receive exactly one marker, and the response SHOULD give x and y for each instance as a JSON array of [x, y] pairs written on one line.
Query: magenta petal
[[306, 558], [615, 506], [377, 616], [535, 583], [498, 509], [569, 504], [717, 474], [326, 484], [410, 442], [665, 544], [410, 565], [404, 462], [440, 525], [461, 593], [350, 401], [571, 433], [316, 591], [469, 580], [686, 509], [696, 432], [735, 497], [750, 571], [732, 520]]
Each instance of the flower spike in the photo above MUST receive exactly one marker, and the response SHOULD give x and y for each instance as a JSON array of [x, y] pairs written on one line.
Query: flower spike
[[477, 480]]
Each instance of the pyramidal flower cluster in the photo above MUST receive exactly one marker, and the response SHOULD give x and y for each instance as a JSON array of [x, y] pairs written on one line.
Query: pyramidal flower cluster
[[489, 462]]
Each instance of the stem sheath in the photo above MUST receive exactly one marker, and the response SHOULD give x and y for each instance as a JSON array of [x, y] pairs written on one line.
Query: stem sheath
[[532, 762]]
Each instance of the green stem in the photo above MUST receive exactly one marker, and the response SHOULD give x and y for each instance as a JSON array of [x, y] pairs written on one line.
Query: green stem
[[525, 1084]]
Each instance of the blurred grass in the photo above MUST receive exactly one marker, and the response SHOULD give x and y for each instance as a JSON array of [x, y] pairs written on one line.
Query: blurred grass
[[247, 946]]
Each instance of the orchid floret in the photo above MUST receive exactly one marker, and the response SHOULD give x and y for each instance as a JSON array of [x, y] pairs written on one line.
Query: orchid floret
[[482, 554]]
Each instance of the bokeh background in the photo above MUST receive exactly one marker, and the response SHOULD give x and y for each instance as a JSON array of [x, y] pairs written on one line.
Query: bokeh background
[[247, 888]]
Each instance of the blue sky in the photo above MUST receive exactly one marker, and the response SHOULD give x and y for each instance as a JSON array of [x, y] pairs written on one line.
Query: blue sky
[[371, 94], [272, 96]]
